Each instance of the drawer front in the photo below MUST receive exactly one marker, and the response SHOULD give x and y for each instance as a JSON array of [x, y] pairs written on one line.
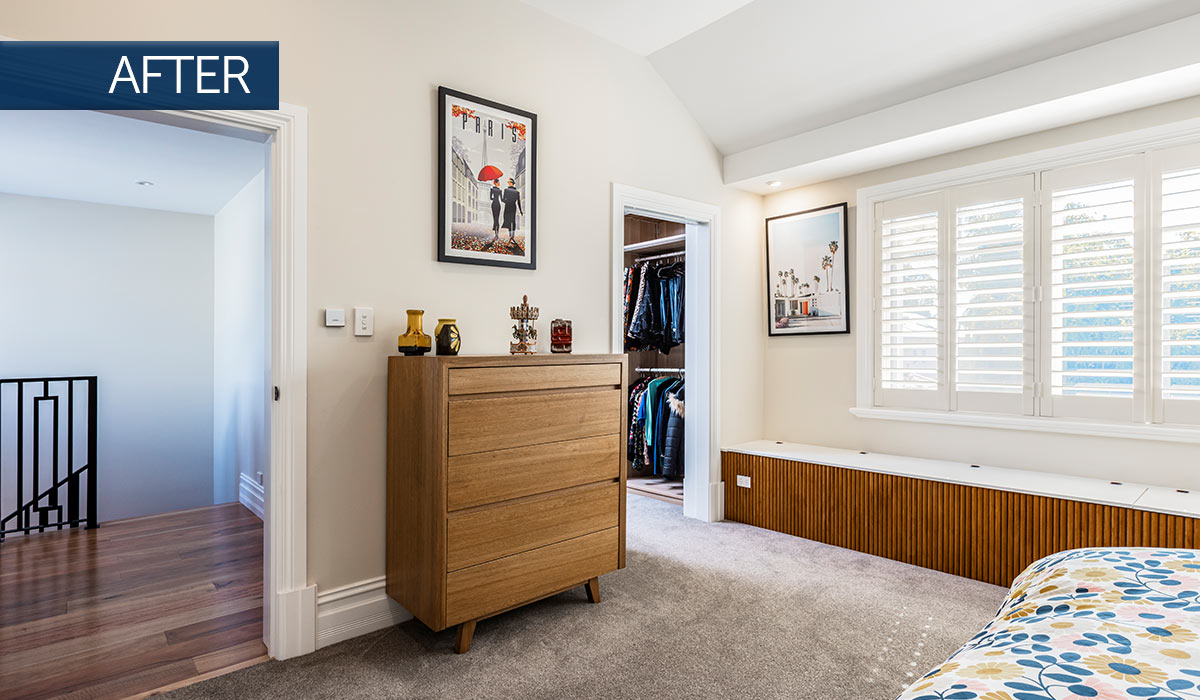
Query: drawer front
[[500, 475], [487, 589], [479, 425], [487, 533], [486, 380]]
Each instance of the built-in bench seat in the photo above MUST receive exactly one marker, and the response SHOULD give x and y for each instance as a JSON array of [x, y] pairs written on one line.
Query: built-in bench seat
[[986, 523]]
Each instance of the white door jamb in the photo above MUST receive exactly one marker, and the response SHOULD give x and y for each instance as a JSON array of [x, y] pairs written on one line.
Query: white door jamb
[[289, 601], [703, 491]]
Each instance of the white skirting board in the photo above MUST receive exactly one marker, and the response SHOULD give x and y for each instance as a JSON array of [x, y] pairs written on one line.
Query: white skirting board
[[348, 611], [250, 493], [716, 501]]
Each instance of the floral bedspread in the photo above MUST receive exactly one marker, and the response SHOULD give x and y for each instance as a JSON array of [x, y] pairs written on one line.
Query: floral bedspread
[[1085, 623]]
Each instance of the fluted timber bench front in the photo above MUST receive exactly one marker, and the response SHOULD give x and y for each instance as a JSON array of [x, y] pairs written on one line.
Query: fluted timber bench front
[[985, 523]]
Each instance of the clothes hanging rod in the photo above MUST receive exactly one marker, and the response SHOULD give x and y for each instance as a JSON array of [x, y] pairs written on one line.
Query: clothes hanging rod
[[676, 254], [662, 370]]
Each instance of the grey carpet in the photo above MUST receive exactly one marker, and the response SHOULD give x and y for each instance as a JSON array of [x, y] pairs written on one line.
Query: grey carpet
[[701, 611]]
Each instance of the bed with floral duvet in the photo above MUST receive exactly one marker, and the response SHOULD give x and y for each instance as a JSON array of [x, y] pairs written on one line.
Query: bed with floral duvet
[[1085, 623]]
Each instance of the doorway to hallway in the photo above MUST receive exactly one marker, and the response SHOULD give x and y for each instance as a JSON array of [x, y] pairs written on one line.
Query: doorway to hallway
[[144, 248]]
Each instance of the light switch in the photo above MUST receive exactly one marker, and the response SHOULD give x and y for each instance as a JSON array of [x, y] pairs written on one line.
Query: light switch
[[335, 318], [364, 320]]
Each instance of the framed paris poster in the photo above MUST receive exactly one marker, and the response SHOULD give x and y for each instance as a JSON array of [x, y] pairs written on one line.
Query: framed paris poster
[[808, 283], [487, 182]]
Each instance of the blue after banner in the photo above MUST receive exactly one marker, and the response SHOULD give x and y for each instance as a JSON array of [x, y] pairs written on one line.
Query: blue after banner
[[139, 75]]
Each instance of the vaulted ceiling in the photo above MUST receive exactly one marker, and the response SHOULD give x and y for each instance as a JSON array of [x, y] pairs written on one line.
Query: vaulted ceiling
[[756, 72]]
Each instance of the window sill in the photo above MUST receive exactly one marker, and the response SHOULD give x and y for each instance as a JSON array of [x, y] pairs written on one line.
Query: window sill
[[1141, 431]]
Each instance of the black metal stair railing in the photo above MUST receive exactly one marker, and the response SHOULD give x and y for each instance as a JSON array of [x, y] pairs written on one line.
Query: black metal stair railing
[[40, 491]]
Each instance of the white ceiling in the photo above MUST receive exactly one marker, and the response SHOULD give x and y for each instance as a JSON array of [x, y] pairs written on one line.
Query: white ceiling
[[642, 26], [95, 157], [753, 73]]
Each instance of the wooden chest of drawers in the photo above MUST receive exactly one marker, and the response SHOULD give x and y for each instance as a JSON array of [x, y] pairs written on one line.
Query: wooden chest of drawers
[[506, 481]]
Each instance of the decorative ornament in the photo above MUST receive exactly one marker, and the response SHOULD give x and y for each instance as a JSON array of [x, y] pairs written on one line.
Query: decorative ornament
[[560, 335], [523, 330], [414, 341], [447, 336]]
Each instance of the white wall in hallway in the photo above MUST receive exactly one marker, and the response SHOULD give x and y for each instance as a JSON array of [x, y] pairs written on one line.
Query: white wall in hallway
[[125, 294], [240, 331]]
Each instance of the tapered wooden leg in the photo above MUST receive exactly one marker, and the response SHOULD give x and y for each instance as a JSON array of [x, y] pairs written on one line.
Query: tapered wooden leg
[[466, 631], [593, 590]]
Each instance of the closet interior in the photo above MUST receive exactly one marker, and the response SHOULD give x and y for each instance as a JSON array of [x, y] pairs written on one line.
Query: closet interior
[[655, 258]]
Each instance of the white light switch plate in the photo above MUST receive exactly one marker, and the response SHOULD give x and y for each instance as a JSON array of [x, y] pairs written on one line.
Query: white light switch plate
[[743, 480], [335, 318], [364, 320]]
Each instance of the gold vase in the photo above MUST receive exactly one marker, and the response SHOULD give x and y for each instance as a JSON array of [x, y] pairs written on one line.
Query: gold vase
[[414, 341]]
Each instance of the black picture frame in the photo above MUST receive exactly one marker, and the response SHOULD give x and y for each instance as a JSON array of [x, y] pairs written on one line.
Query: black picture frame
[[785, 303], [446, 251]]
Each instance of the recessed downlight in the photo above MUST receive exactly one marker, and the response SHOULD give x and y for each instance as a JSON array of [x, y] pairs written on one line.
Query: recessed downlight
[[773, 183], [144, 183]]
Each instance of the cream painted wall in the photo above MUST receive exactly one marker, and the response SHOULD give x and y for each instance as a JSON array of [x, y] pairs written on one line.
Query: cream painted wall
[[368, 72], [809, 382]]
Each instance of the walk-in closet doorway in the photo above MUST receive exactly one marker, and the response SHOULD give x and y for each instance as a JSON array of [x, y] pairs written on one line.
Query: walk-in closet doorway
[[671, 243]]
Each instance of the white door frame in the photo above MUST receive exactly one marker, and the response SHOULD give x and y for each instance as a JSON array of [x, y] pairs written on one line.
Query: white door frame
[[703, 497], [289, 602]]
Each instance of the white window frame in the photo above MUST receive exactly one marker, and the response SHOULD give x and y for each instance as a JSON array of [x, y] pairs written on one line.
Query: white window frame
[[937, 398], [1164, 161], [1116, 410], [866, 316], [1025, 187]]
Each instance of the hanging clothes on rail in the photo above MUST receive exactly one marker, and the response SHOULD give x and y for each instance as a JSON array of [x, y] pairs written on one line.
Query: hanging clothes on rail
[[670, 305], [654, 303], [634, 288], [656, 425], [637, 435], [654, 416], [672, 464]]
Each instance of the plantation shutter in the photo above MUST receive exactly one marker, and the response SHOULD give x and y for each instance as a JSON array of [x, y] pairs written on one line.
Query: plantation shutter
[[910, 350], [992, 340], [1092, 317], [1176, 271]]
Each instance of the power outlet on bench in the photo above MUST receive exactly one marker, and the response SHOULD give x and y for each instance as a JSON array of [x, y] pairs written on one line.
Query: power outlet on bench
[[743, 480]]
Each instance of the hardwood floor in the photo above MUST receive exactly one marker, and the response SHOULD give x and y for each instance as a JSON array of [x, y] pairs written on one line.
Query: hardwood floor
[[130, 607]]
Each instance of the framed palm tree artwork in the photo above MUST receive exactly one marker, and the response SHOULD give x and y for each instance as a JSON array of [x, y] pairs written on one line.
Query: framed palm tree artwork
[[487, 182], [808, 278]]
